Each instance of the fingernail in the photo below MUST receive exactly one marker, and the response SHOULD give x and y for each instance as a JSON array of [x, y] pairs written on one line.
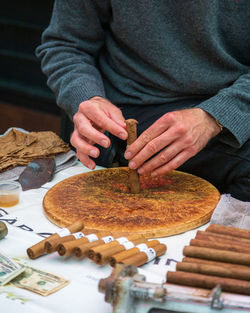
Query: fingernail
[[123, 135], [91, 166], [93, 153], [132, 165], [127, 155], [153, 174], [104, 143], [140, 171]]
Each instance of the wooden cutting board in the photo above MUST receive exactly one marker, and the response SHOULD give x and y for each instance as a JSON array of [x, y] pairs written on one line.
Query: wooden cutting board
[[166, 205]]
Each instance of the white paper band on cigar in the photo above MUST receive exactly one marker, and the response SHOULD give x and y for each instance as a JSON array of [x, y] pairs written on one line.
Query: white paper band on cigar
[[142, 247], [78, 235], [151, 254], [121, 240], [92, 237], [107, 239], [128, 245], [63, 232]]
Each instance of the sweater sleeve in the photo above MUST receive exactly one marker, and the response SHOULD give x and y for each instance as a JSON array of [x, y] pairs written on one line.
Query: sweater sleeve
[[231, 108], [69, 50]]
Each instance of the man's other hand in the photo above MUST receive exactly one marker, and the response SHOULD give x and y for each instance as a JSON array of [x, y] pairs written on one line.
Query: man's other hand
[[171, 141], [94, 117]]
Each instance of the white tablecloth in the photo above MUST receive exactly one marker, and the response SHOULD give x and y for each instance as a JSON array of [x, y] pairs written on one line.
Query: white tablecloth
[[26, 221]]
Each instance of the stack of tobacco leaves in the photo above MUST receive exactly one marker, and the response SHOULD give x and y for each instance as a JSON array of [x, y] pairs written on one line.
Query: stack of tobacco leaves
[[102, 247], [19, 148], [218, 256]]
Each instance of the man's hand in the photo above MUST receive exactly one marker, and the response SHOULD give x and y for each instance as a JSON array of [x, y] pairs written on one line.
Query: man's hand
[[94, 117], [178, 136]]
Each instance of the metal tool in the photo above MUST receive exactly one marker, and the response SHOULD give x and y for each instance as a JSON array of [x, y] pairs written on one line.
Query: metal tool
[[129, 292]]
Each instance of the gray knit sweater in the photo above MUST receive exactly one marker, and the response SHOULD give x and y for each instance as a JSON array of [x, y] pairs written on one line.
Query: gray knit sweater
[[153, 52]]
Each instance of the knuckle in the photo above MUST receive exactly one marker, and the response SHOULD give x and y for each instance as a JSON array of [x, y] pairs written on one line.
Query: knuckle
[[152, 147], [146, 137], [83, 105], [192, 150], [169, 117], [189, 140], [163, 158], [180, 129]]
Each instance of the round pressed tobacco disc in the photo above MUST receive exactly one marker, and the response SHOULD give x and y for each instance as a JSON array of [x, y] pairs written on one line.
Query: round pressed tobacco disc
[[166, 205]]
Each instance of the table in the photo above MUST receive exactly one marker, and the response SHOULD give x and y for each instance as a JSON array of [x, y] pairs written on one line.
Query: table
[[27, 224]]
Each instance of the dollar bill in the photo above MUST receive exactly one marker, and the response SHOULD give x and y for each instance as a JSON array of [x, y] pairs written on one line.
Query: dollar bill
[[39, 281], [9, 269]]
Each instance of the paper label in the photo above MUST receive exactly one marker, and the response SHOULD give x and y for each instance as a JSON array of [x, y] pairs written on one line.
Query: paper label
[[121, 240], [92, 237], [128, 245], [151, 254], [108, 239], [142, 247], [63, 232], [78, 235]]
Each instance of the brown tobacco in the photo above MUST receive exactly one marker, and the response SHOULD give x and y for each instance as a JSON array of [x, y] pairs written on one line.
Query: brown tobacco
[[215, 263], [38, 249], [203, 235], [52, 245], [217, 255], [102, 257], [128, 253], [141, 258], [227, 230], [227, 237], [80, 251], [219, 246], [133, 177], [214, 270], [92, 252], [209, 282], [66, 248]]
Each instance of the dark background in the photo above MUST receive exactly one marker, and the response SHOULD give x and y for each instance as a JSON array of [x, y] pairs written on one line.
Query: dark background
[[25, 99]]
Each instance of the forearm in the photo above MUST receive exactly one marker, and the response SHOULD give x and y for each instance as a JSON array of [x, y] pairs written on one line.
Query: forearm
[[231, 107]]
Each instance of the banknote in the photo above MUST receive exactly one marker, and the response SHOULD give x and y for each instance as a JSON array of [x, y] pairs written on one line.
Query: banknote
[[39, 281], [9, 269]]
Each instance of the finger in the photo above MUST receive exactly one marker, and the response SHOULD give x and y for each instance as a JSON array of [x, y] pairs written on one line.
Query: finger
[[86, 161], [85, 129], [158, 128], [106, 122], [154, 146], [82, 146], [161, 158], [176, 162]]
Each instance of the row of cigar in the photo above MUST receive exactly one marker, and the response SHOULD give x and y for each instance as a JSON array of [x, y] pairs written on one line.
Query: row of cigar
[[101, 247], [220, 255]]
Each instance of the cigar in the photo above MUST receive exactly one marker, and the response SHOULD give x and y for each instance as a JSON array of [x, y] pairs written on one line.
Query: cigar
[[3, 230], [117, 258], [66, 248], [82, 250], [204, 235], [219, 246], [214, 270], [92, 252], [102, 257], [146, 256], [208, 282], [52, 245], [216, 255], [228, 230], [38, 249], [216, 263], [133, 177], [227, 237]]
